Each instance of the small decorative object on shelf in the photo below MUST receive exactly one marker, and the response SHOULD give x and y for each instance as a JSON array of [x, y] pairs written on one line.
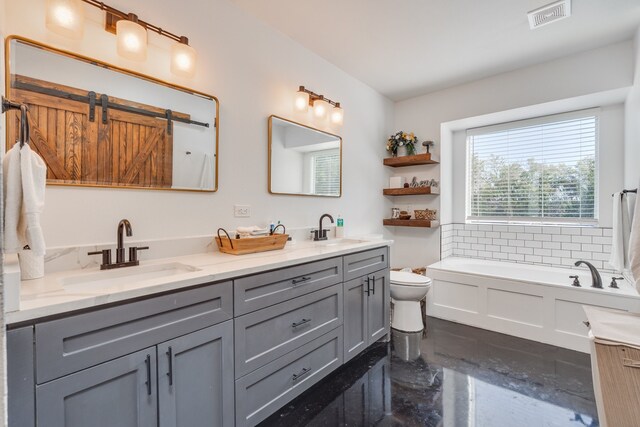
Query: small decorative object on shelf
[[429, 214], [424, 183], [428, 144], [404, 215], [395, 213], [404, 140]]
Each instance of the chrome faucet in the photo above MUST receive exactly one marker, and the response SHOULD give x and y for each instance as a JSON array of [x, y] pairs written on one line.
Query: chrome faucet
[[596, 279], [321, 234], [122, 226]]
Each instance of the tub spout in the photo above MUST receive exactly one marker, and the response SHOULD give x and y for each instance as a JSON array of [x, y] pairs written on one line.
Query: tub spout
[[595, 276]]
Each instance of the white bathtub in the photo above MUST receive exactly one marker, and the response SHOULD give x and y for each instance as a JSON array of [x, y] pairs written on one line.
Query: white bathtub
[[528, 301]]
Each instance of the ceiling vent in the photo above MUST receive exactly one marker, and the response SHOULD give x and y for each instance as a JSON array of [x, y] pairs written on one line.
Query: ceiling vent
[[550, 13]]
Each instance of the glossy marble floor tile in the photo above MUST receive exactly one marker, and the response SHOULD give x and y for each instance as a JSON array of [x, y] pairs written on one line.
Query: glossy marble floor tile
[[454, 376]]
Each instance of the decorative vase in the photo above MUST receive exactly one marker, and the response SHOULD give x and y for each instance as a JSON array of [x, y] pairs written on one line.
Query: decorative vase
[[402, 151]]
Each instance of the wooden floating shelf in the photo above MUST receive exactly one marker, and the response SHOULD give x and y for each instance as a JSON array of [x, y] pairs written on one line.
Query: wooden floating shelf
[[425, 223], [411, 191], [416, 159]]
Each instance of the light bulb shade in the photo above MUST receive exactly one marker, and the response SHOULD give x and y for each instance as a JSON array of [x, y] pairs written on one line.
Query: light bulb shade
[[183, 60], [301, 101], [320, 108], [65, 17], [337, 115], [132, 40]]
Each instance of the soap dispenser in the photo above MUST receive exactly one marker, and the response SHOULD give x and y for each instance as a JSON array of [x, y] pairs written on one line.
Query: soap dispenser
[[339, 227]]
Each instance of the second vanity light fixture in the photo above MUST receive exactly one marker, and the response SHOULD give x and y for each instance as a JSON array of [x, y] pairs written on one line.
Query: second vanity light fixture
[[321, 105], [66, 17]]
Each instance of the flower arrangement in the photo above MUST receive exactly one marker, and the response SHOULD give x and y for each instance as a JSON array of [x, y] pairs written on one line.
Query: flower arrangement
[[402, 139]]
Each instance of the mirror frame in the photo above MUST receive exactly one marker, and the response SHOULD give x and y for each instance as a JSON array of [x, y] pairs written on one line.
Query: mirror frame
[[273, 116], [69, 54]]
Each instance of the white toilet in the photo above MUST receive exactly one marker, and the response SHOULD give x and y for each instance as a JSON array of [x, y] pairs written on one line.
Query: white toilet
[[407, 290]]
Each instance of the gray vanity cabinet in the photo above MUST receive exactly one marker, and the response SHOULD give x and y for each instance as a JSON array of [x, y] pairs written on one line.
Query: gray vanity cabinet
[[20, 377], [195, 379], [366, 301], [121, 392]]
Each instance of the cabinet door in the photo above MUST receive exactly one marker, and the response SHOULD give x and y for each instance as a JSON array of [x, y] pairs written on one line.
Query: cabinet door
[[120, 393], [379, 301], [20, 378], [355, 317], [195, 378]]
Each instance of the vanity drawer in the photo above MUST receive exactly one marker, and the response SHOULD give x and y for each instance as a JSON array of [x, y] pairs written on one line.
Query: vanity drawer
[[77, 342], [265, 335], [363, 263], [263, 391], [262, 290]]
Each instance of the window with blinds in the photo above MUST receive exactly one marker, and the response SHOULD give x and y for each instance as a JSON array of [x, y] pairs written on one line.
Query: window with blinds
[[539, 170], [326, 172]]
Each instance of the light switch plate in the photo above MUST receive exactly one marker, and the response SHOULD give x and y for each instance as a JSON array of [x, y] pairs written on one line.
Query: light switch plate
[[241, 211]]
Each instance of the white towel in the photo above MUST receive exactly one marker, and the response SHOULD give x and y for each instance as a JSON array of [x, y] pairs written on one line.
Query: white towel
[[206, 178], [634, 244], [621, 230], [12, 199], [34, 180]]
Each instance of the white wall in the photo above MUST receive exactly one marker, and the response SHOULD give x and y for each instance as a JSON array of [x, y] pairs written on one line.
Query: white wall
[[632, 125], [254, 71], [605, 69]]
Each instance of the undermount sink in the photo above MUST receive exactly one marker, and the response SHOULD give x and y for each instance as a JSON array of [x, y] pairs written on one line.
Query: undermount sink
[[339, 242], [125, 276]]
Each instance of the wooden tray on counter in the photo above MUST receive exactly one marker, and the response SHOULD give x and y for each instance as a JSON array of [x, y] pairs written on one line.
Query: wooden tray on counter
[[251, 245]]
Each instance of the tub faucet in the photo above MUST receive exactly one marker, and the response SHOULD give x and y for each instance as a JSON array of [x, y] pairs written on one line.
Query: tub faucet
[[321, 234], [595, 276]]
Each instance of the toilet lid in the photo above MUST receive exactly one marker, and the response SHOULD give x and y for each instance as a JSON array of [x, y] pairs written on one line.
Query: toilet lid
[[406, 278]]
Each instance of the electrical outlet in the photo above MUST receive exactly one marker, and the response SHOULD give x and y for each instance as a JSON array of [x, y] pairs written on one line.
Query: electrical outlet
[[241, 211]]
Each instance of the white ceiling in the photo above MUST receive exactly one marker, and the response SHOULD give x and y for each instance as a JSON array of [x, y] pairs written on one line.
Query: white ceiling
[[405, 48]]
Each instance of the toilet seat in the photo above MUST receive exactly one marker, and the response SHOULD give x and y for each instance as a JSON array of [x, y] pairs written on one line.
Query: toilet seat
[[404, 278]]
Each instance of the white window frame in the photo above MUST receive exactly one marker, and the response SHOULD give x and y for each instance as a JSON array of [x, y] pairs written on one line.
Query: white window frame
[[519, 220]]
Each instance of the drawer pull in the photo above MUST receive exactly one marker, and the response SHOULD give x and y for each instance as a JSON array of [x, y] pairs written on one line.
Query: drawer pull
[[631, 363], [300, 374], [300, 323], [301, 280], [170, 373], [147, 361], [587, 324], [367, 281]]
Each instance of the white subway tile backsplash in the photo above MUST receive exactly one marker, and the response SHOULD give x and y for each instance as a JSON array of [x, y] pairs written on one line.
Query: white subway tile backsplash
[[592, 248], [548, 245], [570, 230], [525, 251], [542, 237], [524, 236], [581, 239], [592, 231]]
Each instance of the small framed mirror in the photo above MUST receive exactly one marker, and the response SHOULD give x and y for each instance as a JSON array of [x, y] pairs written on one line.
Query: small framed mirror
[[303, 161], [98, 125]]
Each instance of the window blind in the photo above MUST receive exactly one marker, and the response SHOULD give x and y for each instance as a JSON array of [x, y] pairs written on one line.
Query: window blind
[[326, 172], [539, 170]]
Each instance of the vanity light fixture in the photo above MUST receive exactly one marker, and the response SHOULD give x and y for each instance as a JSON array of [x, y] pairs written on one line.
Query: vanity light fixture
[[66, 17], [321, 105], [132, 38]]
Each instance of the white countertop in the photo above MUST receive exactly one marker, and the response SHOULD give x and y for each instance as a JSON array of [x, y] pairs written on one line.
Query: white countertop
[[47, 296]]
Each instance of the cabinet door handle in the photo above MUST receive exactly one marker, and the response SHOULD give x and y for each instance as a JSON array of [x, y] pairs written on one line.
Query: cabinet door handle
[[373, 285], [300, 374], [368, 290], [300, 323], [300, 280], [148, 383], [170, 373]]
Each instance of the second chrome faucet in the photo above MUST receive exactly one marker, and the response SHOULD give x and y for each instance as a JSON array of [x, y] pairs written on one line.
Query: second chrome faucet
[[124, 226]]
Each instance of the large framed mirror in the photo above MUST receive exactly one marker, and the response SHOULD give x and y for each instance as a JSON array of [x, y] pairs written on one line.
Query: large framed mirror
[[99, 125], [303, 161]]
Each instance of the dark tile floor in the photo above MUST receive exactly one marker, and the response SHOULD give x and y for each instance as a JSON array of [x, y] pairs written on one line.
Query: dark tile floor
[[455, 376]]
